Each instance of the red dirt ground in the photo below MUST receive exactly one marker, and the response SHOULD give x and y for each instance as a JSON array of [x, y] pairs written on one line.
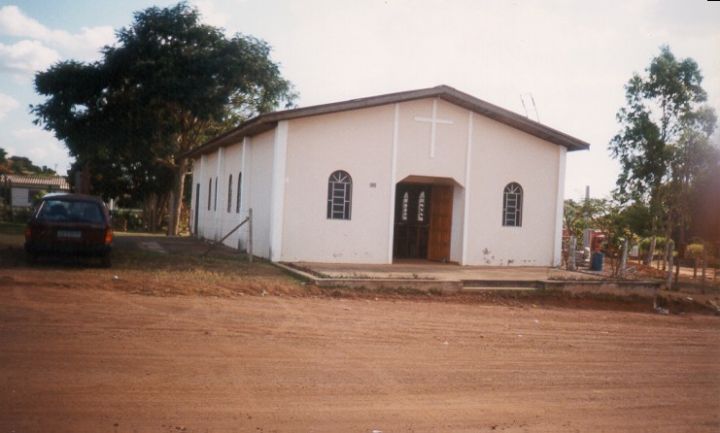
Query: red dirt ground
[[94, 355]]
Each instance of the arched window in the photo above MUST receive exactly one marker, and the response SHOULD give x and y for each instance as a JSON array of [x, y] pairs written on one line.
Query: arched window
[[339, 200], [512, 205], [229, 200]]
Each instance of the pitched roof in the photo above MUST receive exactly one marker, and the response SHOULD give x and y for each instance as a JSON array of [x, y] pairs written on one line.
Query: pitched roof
[[268, 121], [56, 182]]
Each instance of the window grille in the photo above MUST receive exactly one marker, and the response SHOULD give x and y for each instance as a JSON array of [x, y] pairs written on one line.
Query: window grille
[[339, 199]]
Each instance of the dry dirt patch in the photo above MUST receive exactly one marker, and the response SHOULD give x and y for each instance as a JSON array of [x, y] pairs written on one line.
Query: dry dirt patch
[[76, 358], [183, 344]]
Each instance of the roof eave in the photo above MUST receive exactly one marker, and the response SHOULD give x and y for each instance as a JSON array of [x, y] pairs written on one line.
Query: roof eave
[[265, 122]]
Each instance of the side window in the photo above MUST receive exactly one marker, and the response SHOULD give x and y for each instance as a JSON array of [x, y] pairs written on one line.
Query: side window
[[229, 200], [239, 193], [216, 188], [339, 199], [512, 205], [209, 193]]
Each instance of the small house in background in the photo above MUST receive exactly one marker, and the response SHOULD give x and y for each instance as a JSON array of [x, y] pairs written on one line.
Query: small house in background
[[20, 189]]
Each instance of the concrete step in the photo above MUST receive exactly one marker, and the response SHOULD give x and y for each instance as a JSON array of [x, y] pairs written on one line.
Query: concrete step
[[529, 284], [498, 289]]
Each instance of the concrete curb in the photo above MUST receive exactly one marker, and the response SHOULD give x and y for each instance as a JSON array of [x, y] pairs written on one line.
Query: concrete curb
[[646, 288], [420, 284]]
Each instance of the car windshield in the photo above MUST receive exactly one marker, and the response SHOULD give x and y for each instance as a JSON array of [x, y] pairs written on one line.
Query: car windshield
[[71, 211]]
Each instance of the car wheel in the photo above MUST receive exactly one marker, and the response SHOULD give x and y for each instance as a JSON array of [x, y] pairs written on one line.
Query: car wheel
[[106, 261], [31, 258]]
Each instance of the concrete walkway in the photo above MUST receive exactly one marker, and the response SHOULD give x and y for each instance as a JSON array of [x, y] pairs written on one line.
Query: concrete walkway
[[442, 272], [427, 276]]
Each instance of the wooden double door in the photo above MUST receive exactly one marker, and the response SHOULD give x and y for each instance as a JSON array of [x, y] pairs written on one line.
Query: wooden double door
[[423, 221]]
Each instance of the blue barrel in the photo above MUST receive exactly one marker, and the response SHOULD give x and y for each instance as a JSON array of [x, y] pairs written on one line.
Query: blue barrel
[[596, 261]]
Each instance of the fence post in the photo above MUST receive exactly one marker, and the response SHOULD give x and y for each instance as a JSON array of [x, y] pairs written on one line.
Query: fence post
[[623, 259], [250, 236], [670, 248], [651, 252], [571, 253]]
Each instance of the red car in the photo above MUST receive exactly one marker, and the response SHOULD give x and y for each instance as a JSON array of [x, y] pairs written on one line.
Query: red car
[[69, 224]]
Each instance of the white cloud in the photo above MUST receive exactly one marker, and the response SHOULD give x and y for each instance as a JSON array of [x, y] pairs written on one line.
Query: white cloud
[[40, 146], [574, 57], [210, 14], [14, 23], [26, 57], [42, 46], [7, 104]]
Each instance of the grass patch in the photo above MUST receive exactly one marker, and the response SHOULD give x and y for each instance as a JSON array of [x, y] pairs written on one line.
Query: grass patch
[[11, 228], [228, 264], [11, 234]]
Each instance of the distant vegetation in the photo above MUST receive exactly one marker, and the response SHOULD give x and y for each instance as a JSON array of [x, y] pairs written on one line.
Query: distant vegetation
[[670, 169], [21, 165]]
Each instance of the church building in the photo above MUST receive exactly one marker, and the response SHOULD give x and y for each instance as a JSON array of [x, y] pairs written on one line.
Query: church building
[[432, 174]]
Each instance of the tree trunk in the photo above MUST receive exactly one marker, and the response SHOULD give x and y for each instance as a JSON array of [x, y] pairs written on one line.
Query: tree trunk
[[623, 259], [651, 251], [149, 212], [176, 198]]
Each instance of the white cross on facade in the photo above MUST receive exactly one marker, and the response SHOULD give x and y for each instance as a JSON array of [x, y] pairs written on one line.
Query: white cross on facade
[[433, 126]]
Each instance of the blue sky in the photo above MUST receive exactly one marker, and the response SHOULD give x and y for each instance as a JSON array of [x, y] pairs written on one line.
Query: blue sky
[[573, 57]]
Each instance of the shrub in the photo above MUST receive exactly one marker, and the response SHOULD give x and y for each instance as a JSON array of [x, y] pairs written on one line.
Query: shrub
[[694, 251], [128, 219], [659, 244]]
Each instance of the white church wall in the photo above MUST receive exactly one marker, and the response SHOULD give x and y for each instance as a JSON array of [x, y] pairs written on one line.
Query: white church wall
[[216, 221], [195, 173], [259, 170], [360, 143], [418, 154], [559, 206], [501, 155], [232, 161], [456, 233], [209, 221]]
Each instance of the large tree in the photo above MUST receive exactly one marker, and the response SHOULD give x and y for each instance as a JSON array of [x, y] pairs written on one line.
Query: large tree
[[665, 126], [168, 85]]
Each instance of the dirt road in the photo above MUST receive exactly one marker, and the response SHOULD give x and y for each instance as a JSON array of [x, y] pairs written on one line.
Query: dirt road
[[110, 361]]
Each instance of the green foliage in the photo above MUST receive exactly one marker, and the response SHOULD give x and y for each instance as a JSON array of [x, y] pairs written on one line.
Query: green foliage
[[660, 242], [21, 165], [579, 215], [167, 85], [663, 145], [127, 219], [37, 196], [694, 251]]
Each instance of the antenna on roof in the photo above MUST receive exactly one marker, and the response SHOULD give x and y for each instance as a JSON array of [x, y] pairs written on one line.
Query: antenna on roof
[[522, 100], [532, 99], [537, 115]]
